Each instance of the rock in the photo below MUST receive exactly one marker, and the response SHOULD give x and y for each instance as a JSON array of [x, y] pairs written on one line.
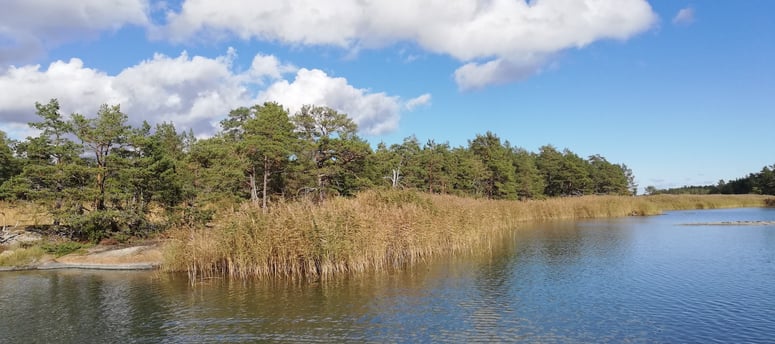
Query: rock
[[14, 236]]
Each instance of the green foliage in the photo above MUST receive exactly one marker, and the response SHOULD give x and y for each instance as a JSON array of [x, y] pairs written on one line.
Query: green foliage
[[59, 249], [500, 178], [332, 156], [10, 166], [117, 178], [762, 183], [100, 224], [608, 178], [52, 169], [530, 184]]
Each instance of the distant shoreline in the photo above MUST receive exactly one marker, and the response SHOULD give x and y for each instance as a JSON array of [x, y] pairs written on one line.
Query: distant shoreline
[[732, 223]]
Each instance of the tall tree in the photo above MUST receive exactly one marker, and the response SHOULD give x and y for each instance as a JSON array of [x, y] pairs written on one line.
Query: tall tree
[[217, 169], [9, 165], [501, 183], [564, 173], [608, 178], [436, 164], [52, 171], [387, 167], [271, 139], [530, 184], [102, 135], [332, 149], [469, 175]]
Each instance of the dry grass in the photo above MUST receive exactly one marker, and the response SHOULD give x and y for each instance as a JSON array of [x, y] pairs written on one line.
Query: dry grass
[[19, 256], [381, 230], [14, 214]]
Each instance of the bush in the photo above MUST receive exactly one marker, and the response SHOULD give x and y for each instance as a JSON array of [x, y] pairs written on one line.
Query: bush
[[97, 225], [62, 248]]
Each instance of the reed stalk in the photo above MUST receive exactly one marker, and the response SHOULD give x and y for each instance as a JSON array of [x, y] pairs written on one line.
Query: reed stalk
[[382, 230]]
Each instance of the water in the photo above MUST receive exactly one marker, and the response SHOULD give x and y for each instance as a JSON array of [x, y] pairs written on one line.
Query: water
[[636, 280]]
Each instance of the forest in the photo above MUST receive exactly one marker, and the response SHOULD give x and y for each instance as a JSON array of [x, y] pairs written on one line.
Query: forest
[[760, 183], [99, 177]]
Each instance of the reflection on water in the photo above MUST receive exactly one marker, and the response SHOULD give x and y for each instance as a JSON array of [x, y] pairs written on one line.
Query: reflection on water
[[622, 280]]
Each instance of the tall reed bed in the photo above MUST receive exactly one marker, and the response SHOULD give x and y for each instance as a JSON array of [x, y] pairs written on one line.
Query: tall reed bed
[[381, 230]]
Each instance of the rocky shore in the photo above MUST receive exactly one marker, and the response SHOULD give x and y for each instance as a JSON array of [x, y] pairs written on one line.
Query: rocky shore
[[145, 256]]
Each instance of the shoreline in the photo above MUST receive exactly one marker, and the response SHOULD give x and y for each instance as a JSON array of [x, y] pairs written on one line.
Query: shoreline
[[376, 230], [67, 266], [732, 223], [141, 257]]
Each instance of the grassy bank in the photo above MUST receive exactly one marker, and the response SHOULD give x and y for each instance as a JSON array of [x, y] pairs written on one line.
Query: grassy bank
[[383, 230]]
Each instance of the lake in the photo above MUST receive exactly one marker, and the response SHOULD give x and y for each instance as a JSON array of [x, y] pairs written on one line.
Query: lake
[[638, 279]]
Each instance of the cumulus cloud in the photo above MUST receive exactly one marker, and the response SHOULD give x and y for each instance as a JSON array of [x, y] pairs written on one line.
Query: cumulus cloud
[[375, 113], [192, 92], [268, 66], [188, 91], [29, 27], [488, 35], [684, 17], [81, 88]]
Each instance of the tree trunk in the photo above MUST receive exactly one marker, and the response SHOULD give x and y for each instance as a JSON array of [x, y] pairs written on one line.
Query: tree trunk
[[253, 191], [99, 203], [394, 179]]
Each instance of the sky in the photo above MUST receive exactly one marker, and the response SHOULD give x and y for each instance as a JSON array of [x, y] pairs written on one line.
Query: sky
[[682, 92]]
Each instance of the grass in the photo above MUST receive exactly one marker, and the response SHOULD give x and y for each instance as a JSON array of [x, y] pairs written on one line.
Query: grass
[[21, 256], [15, 214], [380, 230]]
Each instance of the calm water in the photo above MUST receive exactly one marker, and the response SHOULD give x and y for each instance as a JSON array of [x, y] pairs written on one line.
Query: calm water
[[635, 280]]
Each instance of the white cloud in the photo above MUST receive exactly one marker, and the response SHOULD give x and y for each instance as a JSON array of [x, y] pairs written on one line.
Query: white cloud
[[29, 27], [192, 92], [269, 66], [491, 34], [422, 100], [684, 17], [188, 91], [375, 113], [81, 89], [499, 71]]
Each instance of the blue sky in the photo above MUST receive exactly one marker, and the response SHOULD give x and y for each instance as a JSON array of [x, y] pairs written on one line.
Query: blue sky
[[683, 92]]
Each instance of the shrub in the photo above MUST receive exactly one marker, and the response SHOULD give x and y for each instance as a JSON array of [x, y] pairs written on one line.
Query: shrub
[[62, 248]]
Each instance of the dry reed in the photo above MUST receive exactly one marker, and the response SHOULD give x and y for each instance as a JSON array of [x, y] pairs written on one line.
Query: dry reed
[[381, 230]]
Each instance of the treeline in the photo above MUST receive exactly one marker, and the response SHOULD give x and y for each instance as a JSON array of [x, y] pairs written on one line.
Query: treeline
[[100, 176], [761, 183]]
